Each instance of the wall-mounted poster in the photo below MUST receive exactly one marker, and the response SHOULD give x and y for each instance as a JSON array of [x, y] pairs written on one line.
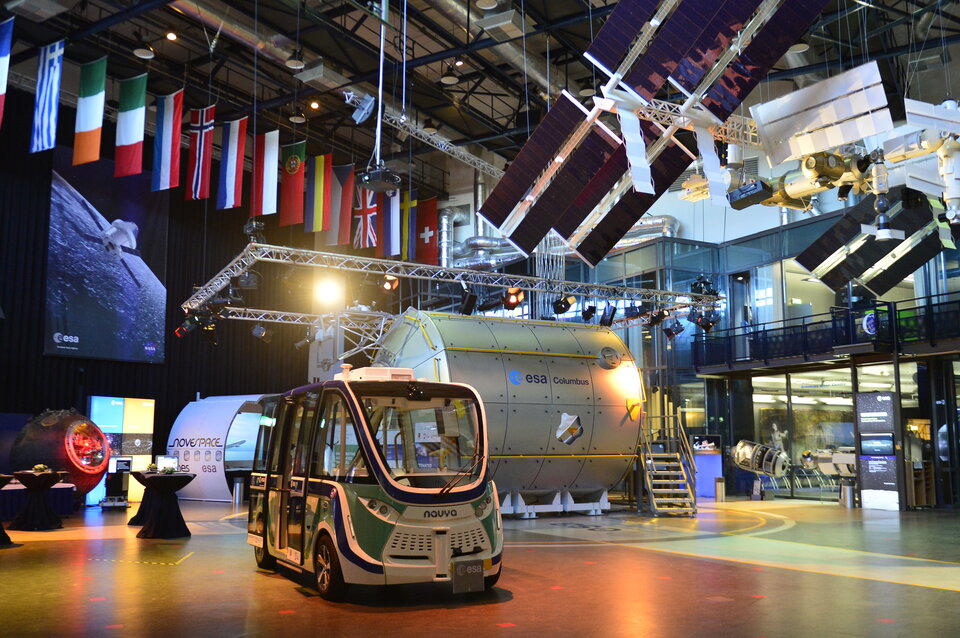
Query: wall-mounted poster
[[106, 264]]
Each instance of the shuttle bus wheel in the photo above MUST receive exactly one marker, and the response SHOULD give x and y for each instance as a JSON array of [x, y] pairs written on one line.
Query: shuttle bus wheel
[[327, 571], [490, 581], [262, 554]]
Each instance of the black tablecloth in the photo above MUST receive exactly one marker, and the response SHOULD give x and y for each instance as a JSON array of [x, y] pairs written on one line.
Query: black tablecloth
[[4, 539], [36, 513], [163, 519], [148, 496]]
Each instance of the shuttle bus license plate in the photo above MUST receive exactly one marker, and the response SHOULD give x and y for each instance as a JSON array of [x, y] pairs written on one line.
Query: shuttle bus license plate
[[467, 576]]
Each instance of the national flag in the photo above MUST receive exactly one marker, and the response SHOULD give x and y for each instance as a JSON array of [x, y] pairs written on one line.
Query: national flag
[[166, 142], [6, 37], [263, 182], [130, 117], [365, 220], [341, 206], [86, 133], [408, 226], [292, 159], [388, 225], [316, 216], [232, 146], [47, 98], [428, 241], [201, 152]]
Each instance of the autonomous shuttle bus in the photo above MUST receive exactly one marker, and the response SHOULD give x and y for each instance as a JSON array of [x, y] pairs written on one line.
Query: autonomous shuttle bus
[[376, 478]]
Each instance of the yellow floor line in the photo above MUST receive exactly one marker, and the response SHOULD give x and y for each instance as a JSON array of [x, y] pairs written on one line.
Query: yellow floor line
[[184, 558]]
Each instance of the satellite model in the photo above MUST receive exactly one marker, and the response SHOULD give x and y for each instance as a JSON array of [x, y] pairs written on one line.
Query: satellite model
[[578, 178]]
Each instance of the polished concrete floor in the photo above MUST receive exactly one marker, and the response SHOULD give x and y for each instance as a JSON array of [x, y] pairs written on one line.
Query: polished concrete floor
[[750, 569]]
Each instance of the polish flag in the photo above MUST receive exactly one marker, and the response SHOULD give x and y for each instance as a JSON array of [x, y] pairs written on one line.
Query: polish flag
[[166, 142], [229, 193], [263, 185]]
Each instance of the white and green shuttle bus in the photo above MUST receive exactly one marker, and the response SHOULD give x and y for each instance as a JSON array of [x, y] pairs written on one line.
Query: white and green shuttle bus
[[376, 478]]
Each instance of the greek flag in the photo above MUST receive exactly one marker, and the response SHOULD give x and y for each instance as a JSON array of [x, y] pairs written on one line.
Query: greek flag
[[47, 97]]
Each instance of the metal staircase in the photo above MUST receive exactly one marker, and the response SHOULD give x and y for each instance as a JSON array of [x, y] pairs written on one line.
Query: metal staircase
[[669, 469]]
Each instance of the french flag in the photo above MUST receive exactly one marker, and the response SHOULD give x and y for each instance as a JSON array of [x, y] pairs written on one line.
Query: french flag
[[6, 37], [166, 142], [201, 151], [231, 164]]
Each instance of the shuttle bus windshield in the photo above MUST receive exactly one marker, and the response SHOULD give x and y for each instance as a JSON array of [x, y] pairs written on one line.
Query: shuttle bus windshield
[[427, 435]]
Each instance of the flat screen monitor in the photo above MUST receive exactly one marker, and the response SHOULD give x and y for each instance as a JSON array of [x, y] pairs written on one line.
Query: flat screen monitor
[[876, 443], [165, 462], [119, 463]]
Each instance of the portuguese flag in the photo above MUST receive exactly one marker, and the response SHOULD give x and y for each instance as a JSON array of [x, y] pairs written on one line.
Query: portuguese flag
[[129, 155], [86, 136], [292, 159]]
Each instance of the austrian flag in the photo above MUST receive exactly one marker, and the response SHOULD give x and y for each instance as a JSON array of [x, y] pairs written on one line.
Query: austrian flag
[[201, 150]]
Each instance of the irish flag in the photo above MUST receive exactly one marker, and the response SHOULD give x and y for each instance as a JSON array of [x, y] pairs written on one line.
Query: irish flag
[[133, 97], [86, 136]]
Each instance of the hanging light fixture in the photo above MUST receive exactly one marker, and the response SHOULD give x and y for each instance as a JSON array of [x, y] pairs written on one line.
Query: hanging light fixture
[[171, 35], [314, 105], [512, 298], [486, 5], [563, 304], [429, 126], [143, 50], [458, 62], [449, 76], [298, 117], [295, 61]]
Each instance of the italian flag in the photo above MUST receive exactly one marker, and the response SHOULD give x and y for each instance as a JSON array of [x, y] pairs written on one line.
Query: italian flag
[[133, 97], [86, 136]]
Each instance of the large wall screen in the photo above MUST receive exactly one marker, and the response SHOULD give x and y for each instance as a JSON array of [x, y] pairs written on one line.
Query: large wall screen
[[106, 263]]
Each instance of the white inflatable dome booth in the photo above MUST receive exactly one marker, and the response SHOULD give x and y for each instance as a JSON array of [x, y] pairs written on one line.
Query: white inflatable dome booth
[[215, 438]]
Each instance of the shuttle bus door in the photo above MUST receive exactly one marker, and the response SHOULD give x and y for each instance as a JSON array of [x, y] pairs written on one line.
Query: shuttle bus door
[[293, 477]]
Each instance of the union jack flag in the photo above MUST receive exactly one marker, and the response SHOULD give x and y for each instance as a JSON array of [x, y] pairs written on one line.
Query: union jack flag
[[201, 151], [365, 220]]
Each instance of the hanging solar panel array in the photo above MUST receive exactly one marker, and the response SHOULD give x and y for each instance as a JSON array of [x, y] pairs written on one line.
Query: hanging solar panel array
[[583, 194]]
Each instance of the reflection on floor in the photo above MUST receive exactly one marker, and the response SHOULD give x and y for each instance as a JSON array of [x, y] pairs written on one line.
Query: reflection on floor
[[766, 568]]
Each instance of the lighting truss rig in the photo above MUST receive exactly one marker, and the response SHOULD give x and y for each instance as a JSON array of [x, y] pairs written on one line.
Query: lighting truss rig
[[257, 252]]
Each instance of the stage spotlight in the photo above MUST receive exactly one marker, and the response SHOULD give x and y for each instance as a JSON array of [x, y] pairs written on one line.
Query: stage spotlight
[[329, 292], [232, 298], [563, 304], [708, 320], [512, 298], [189, 325], [389, 283], [468, 303], [209, 332], [632, 311], [261, 333], [490, 303], [248, 280], [657, 316], [703, 286], [588, 313], [253, 229], [606, 319], [673, 329], [694, 316]]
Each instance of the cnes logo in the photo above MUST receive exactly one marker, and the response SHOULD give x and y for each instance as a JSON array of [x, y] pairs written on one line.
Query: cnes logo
[[59, 337]]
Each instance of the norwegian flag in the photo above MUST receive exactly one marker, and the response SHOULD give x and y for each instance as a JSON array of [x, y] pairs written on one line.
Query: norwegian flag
[[201, 151], [365, 220]]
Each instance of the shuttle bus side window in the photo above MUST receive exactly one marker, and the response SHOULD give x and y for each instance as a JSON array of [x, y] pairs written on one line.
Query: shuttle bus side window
[[322, 455], [308, 412], [267, 421], [285, 410], [296, 418]]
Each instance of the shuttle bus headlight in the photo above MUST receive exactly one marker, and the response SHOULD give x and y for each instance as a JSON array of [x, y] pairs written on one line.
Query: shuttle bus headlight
[[381, 510]]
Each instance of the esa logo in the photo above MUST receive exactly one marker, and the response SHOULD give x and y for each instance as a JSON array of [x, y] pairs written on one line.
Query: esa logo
[[59, 337], [516, 377]]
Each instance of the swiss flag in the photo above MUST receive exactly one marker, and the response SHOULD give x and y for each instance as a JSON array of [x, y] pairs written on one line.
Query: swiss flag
[[428, 240]]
